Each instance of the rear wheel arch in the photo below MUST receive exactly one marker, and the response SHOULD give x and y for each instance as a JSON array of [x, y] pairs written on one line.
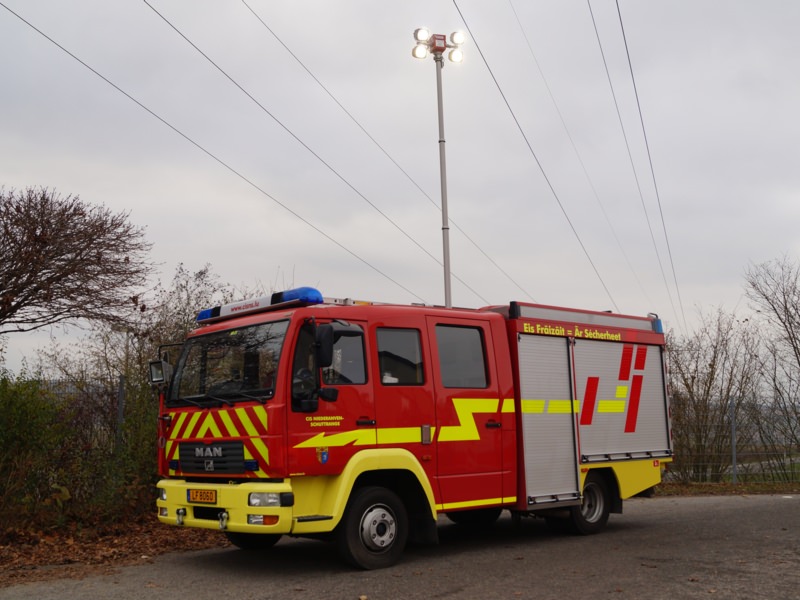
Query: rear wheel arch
[[591, 515], [612, 484]]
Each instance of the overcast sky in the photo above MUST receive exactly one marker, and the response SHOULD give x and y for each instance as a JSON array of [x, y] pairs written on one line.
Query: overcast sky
[[718, 83]]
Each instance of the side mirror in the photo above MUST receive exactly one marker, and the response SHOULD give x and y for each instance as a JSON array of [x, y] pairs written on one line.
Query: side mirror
[[160, 372], [328, 394], [324, 345]]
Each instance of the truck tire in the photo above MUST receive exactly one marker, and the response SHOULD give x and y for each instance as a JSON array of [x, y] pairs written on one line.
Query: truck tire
[[592, 515], [252, 541], [374, 529]]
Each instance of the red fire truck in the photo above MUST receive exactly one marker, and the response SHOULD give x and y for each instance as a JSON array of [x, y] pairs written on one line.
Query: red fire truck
[[363, 422]]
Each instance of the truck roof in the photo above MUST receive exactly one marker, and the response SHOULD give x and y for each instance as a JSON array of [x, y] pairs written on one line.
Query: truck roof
[[283, 305]]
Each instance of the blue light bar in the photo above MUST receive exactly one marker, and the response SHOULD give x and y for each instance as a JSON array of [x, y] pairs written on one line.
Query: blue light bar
[[306, 295], [658, 326], [302, 295], [208, 313]]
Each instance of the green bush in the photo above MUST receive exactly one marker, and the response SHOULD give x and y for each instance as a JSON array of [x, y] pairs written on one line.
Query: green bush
[[65, 459], [31, 433]]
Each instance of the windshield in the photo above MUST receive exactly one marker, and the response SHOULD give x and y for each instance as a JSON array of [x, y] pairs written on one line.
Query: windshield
[[231, 365]]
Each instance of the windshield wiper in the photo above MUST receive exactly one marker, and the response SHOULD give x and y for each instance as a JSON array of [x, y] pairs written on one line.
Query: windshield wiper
[[197, 400], [260, 398], [219, 399]]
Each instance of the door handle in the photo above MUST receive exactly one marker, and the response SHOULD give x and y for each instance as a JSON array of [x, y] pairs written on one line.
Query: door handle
[[365, 422], [493, 425]]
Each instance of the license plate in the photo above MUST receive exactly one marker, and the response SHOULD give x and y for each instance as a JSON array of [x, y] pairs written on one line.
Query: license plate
[[203, 496]]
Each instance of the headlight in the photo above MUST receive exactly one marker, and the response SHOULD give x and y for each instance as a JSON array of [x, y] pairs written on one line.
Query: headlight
[[264, 499], [162, 494]]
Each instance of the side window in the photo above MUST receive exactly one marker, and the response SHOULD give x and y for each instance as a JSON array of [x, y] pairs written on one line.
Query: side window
[[462, 360], [348, 366], [400, 357]]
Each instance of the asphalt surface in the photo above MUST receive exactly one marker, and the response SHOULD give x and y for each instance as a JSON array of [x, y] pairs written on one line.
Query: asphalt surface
[[688, 547]]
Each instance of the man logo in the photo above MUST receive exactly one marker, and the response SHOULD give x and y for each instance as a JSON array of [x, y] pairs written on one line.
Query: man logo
[[209, 464], [208, 452]]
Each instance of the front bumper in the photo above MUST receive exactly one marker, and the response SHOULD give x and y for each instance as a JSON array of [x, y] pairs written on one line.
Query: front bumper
[[225, 506]]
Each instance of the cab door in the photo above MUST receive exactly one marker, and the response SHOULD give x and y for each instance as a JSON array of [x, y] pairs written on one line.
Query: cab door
[[468, 410], [404, 397], [323, 438]]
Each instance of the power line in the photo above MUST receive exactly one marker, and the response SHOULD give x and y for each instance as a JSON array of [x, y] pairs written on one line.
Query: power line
[[650, 162], [306, 146], [211, 155], [630, 157], [536, 158], [382, 149], [577, 153]]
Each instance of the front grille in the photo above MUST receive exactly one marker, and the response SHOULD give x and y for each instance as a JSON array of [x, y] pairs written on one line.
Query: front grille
[[214, 458]]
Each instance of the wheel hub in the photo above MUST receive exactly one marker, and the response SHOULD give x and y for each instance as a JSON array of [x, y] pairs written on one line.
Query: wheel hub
[[378, 528], [592, 505]]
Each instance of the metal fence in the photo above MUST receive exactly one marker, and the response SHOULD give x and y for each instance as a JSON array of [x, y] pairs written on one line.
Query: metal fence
[[98, 406]]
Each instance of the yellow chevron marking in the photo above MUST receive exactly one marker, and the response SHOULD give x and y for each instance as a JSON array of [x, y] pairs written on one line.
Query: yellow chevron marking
[[467, 429], [168, 451], [193, 419], [508, 405], [209, 426], [246, 422], [177, 422], [260, 413], [611, 406], [622, 391], [357, 437], [228, 422], [262, 449]]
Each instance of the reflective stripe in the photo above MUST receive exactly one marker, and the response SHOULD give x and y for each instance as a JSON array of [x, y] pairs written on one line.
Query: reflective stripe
[[553, 407], [476, 503], [402, 435], [467, 429], [611, 406], [533, 406], [562, 407]]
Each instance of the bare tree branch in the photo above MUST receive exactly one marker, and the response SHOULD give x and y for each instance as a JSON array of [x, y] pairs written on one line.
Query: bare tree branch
[[62, 260]]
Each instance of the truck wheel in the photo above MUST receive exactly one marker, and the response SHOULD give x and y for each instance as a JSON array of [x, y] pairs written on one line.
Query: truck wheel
[[252, 541], [479, 517], [591, 516], [374, 529]]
